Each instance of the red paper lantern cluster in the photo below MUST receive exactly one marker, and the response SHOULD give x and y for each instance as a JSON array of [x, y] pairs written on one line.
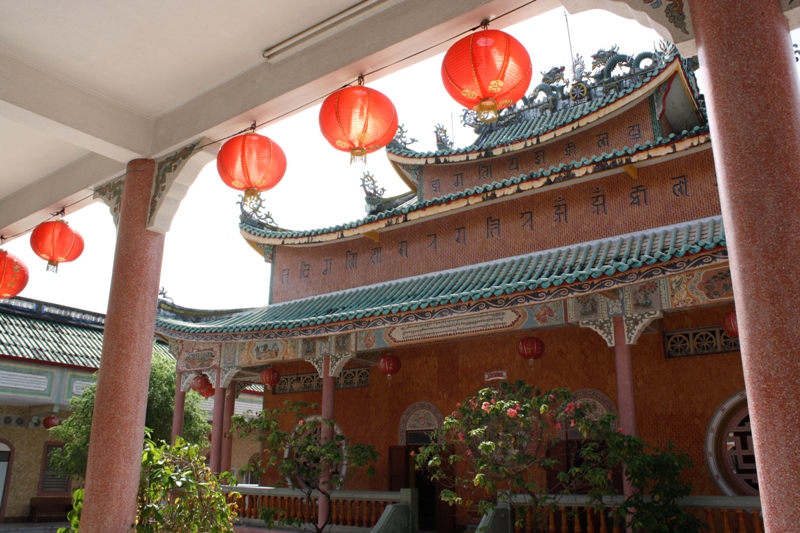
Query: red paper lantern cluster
[[389, 364], [531, 348], [730, 325], [56, 242], [358, 120], [202, 385], [13, 275], [486, 72], [270, 378], [251, 163], [50, 422]]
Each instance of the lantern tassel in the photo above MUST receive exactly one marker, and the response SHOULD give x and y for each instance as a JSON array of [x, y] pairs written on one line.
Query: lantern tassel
[[52, 266], [487, 110], [358, 157], [389, 379]]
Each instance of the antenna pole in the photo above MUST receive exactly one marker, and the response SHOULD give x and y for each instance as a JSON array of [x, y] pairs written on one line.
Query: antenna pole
[[569, 38]]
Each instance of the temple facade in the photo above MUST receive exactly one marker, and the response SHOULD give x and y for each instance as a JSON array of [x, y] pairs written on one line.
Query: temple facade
[[587, 216]]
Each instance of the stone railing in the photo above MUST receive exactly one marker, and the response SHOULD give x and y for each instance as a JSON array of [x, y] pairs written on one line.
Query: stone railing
[[722, 514], [356, 510]]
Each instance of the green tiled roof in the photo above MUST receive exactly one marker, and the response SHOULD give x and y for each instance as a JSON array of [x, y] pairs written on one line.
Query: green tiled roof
[[496, 278], [49, 341], [526, 129], [264, 231]]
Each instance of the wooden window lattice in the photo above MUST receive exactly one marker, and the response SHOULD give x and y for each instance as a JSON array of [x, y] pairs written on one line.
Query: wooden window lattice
[[348, 379], [698, 341]]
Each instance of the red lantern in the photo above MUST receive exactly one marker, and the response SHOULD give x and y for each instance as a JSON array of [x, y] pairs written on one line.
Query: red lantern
[[200, 382], [50, 422], [208, 391], [389, 365], [358, 120], [251, 163], [13, 275], [486, 72], [730, 325], [531, 348], [56, 242], [270, 377]]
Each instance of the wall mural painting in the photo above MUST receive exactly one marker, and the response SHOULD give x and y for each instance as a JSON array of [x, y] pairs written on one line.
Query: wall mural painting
[[258, 353], [198, 360], [543, 315], [700, 287]]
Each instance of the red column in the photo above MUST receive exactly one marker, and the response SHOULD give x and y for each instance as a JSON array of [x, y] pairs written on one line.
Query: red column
[[328, 399], [216, 426], [625, 397], [227, 438], [115, 449], [177, 412], [753, 100]]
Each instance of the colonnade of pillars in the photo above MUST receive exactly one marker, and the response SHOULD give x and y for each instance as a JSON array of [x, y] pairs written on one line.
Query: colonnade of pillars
[[753, 100]]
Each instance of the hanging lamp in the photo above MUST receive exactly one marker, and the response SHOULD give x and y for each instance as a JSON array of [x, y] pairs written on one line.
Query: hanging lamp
[[389, 365], [13, 275], [56, 242], [487, 71], [358, 120], [270, 378], [531, 348], [251, 163]]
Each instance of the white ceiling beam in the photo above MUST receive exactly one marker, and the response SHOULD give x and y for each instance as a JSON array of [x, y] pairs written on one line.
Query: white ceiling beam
[[38, 100], [27, 207], [271, 89]]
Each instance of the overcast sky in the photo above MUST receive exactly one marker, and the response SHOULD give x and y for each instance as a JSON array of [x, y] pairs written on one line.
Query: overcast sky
[[207, 263]]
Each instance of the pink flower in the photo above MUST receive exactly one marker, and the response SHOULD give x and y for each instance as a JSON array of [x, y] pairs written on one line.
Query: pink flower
[[412, 454], [580, 404], [512, 413], [572, 423], [492, 401], [473, 404], [461, 436], [454, 414], [468, 453], [552, 397], [619, 430], [301, 423], [516, 406], [486, 406], [569, 408], [458, 405], [558, 425]]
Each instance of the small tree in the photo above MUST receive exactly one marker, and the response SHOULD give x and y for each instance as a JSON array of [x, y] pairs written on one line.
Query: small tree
[[74, 432], [498, 441], [301, 455]]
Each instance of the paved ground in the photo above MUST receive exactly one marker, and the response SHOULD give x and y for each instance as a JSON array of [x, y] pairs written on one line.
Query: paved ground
[[49, 527]]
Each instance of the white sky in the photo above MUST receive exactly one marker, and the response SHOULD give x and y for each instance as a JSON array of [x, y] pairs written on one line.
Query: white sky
[[208, 265]]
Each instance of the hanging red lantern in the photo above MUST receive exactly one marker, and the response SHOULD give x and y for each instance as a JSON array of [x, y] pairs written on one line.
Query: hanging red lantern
[[486, 72], [251, 163], [200, 382], [270, 377], [13, 275], [531, 348], [207, 392], [56, 242], [730, 325], [389, 365], [358, 120], [50, 422]]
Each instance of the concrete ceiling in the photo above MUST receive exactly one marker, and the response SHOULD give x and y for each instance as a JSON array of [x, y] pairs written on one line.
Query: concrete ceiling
[[86, 86]]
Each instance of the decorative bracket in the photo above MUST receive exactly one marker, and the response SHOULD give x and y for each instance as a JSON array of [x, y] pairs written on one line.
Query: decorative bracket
[[636, 324], [603, 327], [227, 374]]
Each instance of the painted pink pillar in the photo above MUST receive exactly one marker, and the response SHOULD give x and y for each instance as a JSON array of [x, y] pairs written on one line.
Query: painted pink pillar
[[217, 416], [227, 438], [753, 100], [625, 395], [178, 410], [328, 405], [115, 448]]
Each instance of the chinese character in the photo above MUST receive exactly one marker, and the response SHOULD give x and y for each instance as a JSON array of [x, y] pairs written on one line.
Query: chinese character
[[432, 241], [561, 210], [435, 185], [680, 186], [485, 172], [527, 220], [639, 195], [377, 256], [352, 261], [403, 251], [328, 264], [459, 179], [513, 164], [602, 140], [635, 132], [461, 235], [570, 149], [284, 276], [538, 157], [305, 270], [599, 201], [492, 228]]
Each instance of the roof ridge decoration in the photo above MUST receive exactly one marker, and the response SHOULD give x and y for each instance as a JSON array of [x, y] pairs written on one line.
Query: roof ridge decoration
[[531, 278], [565, 100], [615, 159]]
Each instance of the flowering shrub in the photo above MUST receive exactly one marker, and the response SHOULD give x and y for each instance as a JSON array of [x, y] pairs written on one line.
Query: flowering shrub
[[497, 440]]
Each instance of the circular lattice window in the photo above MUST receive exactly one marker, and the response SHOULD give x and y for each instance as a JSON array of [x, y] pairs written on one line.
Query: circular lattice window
[[729, 448]]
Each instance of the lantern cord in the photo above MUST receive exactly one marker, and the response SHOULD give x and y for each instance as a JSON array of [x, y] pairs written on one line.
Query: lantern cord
[[484, 23]]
